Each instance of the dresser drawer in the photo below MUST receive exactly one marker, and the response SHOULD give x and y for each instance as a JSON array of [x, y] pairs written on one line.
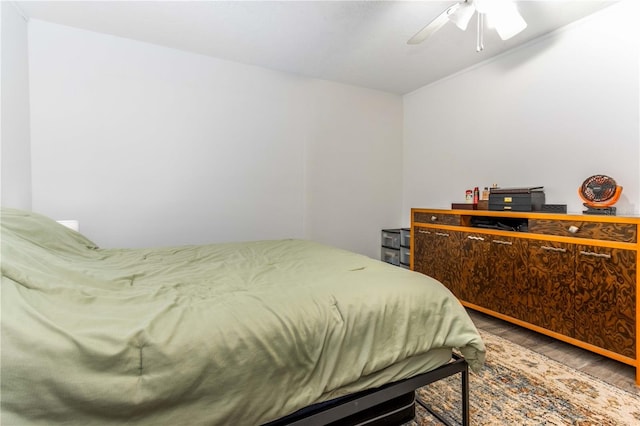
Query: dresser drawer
[[437, 218], [622, 232]]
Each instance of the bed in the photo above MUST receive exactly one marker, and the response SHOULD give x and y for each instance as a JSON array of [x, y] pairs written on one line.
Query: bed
[[235, 333]]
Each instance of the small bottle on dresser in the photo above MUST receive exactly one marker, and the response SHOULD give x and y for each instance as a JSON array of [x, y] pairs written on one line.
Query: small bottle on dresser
[[468, 196], [485, 194]]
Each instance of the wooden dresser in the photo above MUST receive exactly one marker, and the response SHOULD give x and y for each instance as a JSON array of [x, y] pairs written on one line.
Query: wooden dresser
[[572, 277]]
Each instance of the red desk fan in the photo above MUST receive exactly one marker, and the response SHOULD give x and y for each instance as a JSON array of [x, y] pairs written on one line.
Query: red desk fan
[[599, 193]]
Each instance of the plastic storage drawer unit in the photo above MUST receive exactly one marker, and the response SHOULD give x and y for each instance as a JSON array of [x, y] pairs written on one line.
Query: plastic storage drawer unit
[[391, 238], [390, 250], [390, 255], [405, 256], [405, 237]]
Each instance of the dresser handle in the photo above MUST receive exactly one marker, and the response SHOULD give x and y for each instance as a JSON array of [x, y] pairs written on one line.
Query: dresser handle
[[562, 250], [434, 218], [442, 234], [471, 237], [594, 254], [422, 231], [573, 229], [506, 243]]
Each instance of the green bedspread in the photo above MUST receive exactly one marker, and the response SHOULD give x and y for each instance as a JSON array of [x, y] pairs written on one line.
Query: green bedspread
[[235, 333]]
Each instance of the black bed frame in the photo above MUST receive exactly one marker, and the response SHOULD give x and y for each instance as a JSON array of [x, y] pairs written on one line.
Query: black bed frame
[[346, 410]]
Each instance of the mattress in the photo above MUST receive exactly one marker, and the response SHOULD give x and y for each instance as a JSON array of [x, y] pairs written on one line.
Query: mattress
[[232, 333]]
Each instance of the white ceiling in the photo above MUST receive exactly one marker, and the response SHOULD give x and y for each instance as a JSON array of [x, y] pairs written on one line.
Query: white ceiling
[[362, 43]]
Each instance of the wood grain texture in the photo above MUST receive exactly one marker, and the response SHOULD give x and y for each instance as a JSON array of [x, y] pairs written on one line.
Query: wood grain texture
[[551, 286], [623, 232], [422, 252], [475, 268], [437, 254], [605, 298], [541, 279], [493, 270], [508, 275], [437, 218]]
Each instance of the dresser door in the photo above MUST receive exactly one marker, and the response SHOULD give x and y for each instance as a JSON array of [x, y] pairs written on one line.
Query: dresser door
[[606, 298], [437, 254], [507, 276], [476, 268], [550, 286]]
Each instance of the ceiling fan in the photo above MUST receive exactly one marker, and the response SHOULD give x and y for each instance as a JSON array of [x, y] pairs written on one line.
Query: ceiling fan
[[501, 14]]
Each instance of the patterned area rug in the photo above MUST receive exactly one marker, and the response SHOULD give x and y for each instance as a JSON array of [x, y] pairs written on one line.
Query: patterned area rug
[[520, 387]]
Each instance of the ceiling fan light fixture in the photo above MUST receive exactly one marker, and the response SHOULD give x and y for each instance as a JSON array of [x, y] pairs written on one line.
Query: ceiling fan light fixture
[[506, 20], [462, 15], [433, 26], [503, 14], [511, 29]]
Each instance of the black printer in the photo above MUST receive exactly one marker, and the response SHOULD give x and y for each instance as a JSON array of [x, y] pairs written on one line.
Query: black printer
[[516, 199]]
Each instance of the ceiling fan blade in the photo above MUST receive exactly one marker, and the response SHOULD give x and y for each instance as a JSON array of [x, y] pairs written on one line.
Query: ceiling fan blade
[[433, 26]]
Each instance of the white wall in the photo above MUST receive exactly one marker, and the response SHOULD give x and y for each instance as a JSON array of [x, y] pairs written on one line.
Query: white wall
[[146, 145], [354, 166], [550, 113], [14, 117]]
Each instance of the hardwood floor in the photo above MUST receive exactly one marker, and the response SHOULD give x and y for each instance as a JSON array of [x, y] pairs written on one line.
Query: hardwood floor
[[611, 371]]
